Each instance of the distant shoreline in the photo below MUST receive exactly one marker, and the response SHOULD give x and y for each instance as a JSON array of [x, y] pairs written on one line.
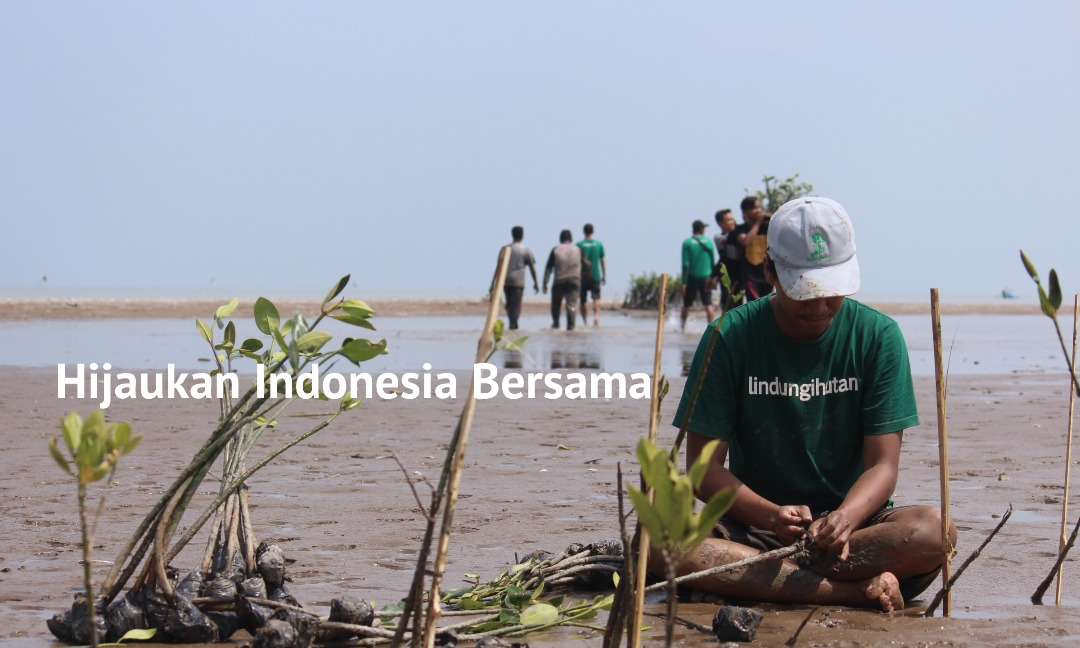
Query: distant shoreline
[[97, 308]]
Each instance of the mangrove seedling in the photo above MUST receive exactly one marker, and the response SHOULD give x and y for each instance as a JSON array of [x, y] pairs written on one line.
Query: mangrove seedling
[[1050, 302], [94, 448], [675, 529]]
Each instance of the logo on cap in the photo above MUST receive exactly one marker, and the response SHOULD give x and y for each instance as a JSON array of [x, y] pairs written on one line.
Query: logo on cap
[[819, 253]]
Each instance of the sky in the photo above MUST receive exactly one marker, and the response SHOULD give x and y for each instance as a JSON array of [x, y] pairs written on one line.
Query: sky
[[207, 149]]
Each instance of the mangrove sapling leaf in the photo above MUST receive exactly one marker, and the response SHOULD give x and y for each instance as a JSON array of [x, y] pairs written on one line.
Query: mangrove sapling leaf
[[336, 290], [1029, 266], [138, 634], [1055, 290], [362, 350], [538, 614], [293, 352], [357, 307], [349, 318], [204, 330], [227, 309], [312, 341], [267, 319]]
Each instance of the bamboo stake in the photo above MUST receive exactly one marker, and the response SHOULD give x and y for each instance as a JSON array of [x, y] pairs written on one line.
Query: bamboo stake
[[483, 351], [634, 634], [1068, 456], [943, 451]]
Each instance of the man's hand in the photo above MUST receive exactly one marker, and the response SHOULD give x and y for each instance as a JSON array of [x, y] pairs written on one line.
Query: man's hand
[[536, 289], [545, 289], [831, 533], [790, 523], [682, 289]]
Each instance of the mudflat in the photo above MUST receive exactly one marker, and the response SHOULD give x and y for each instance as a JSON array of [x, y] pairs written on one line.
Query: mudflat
[[540, 474]]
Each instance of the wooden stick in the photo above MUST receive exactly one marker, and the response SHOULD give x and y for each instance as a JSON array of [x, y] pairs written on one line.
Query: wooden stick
[[943, 452], [634, 633], [775, 554], [483, 350], [975, 554], [1068, 456]]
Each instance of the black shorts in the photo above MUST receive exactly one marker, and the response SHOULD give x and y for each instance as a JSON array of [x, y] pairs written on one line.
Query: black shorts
[[590, 286], [761, 540], [696, 287]]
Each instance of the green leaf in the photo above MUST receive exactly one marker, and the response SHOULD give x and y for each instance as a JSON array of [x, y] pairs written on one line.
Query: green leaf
[[139, 634], [227, 309], [72, 426], [312, 341], [336, 290], [1047, 308], [701, 464], [252, 344], [349, 318], [266, 316], [1055, 290], [349, 403], [717, 505], [360, 350], [539, 614], [513, 345], [647, 514], [230, 334], [466, 603], [60, 459], [357, 307], [204, 329], [497, 329], [1029, 266], [293, 352]]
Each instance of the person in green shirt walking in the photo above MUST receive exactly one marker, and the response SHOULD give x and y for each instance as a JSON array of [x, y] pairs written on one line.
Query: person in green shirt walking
[[592, 277], [698, 256], [809, 393]]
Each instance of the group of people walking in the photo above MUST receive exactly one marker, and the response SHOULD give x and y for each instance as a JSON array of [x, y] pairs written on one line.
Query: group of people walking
[[579, 269], [737, 250]]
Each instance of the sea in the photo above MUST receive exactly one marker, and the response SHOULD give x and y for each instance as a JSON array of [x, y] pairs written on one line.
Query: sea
[[972, 344]]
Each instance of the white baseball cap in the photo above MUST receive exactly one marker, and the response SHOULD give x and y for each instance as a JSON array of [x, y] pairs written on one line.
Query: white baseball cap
[[812, 246]]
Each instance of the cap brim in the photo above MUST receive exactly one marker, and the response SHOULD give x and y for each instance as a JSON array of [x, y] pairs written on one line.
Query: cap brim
[[839, 280]]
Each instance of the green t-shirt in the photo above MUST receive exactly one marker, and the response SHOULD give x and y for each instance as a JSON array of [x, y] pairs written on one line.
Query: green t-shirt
[[593, 250], [697, 257], [794, 413]]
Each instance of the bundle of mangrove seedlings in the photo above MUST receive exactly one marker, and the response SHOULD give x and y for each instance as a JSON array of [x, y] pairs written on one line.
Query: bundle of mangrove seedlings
[[240, 582]]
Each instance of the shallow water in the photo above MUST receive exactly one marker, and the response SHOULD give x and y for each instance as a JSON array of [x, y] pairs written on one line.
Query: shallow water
[[974, 344]]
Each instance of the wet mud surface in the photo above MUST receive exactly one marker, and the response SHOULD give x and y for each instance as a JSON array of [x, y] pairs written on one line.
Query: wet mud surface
[[540, 474]]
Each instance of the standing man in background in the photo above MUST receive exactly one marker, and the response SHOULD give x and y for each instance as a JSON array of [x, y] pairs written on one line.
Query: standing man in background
[[751, 235], [729, 256], [593, 277], [566, 262], [697, 269], [514, 288]]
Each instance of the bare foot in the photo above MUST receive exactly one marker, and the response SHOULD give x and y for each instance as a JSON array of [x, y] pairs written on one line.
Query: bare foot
[[884, 590]]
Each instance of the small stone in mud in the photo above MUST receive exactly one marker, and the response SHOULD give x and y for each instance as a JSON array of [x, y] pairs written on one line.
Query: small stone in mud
[[275, 634], [734, 623], [270, 561], [347, 609]]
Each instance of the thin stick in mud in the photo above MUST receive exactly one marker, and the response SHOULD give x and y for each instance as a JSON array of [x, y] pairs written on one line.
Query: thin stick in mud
[[947, 549], [1068, 458]]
